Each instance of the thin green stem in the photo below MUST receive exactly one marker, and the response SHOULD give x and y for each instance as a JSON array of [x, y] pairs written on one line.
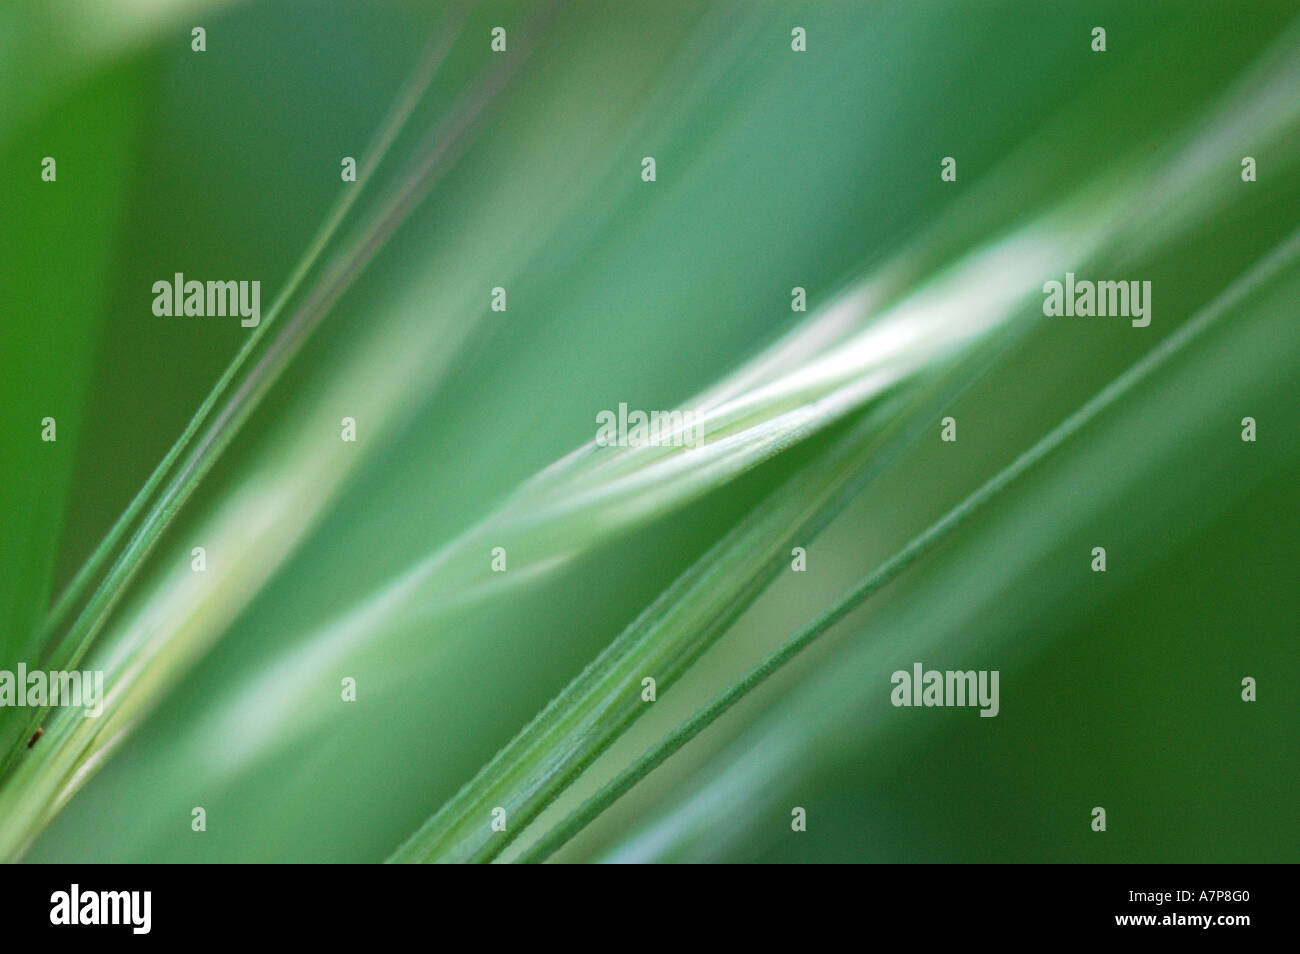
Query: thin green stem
[[237, 407], [917, 547], [398, 114], [578, 725]]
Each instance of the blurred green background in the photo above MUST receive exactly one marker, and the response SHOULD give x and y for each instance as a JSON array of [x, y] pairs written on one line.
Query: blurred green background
[[775, 169]]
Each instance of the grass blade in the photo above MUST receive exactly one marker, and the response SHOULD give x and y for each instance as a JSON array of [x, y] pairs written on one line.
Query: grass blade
[[917, 547]]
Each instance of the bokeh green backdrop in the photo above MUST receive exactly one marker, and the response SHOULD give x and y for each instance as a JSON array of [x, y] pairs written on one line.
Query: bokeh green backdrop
[[774, 169]]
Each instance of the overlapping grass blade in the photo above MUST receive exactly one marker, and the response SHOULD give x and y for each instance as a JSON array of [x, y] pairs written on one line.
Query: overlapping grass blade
[[1283, 256]]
